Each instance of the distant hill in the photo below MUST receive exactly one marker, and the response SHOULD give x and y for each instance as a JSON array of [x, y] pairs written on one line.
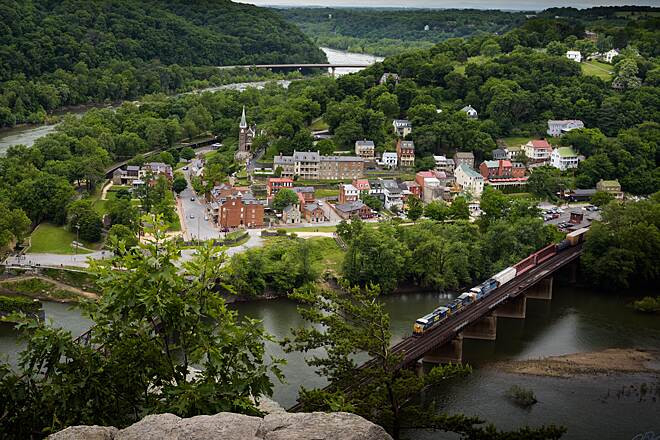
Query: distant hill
[[41, 36]]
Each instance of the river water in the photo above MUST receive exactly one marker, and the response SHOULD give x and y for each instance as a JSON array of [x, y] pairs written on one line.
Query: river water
[[576, 320], [27, 134]]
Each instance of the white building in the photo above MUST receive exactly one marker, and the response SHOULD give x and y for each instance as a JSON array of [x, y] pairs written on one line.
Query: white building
[[470, 111], [469, 180], [402, 127], [557, 128], [564, 158], [574, 55], [390, 159], [610, 54], [538, 150], [365, 149], [442, 163]]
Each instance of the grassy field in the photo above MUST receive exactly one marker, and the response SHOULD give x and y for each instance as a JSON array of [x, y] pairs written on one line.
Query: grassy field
[[318, 125], [38, 287], [596, 68], [312, 229], [53, 239], [331, 254], [326, 192]]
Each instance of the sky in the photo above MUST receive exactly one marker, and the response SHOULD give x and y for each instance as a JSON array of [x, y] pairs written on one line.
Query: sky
[[476, 4]]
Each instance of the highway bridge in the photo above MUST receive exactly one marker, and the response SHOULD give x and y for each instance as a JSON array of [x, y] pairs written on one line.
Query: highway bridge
[[332, 67], [444, 343]]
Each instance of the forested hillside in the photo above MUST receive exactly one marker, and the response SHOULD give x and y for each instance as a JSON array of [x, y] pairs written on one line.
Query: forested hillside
[[57, 53], [387, 31]]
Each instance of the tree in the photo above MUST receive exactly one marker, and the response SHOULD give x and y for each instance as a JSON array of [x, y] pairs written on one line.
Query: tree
[[372, 202], [459, 209], [437, 210], [626, 75], [545, 182], [155, 319], [14, 225], [387, 103], [348, 322], [556, 48], [122, 212], [121, 238], [490, 48], [415, 208], [601, 198], [179, 184], [284, 198], [167, 158]]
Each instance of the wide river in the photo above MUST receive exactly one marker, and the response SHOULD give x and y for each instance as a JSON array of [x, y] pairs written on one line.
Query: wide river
[[27, 134], [576, 320]]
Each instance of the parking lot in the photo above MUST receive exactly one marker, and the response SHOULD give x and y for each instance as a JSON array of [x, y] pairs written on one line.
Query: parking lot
[[561, 215]]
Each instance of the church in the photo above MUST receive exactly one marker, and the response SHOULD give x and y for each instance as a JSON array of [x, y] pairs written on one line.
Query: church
[[245, 138]]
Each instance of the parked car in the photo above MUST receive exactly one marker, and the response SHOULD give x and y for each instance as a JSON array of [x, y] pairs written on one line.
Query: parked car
[[185, 168], [192, 199], [192, 215]]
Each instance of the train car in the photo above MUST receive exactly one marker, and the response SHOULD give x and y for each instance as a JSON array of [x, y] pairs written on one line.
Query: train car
[[426, 322], [455, 305], [488, 286], [467, 298], [564, 244], [505, 276], [545, 253], [576, 237], [524, 265]]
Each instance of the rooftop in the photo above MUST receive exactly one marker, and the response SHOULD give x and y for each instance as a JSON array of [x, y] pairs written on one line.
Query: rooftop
[[410, 145], [540, 144], [566, 152], [364, 143], [350, 206], [469, 171], [464, 155], [402, 123]]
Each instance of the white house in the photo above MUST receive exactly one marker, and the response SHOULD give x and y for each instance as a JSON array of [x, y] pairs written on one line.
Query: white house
[[538, 150], [444, 164], [470, 111], [389, 159], [469, 180], [609, 55], [574, 55], [564, 158], [365, 149], [557, 128], [402, 127]]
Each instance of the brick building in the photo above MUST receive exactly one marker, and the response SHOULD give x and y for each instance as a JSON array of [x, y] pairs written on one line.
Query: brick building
[[241, 211]]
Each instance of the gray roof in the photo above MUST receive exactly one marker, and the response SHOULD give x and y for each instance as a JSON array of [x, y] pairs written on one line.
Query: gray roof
[[464, 155], [290, 208], [341, 159], [311, 207], [304, 189], [283, 160], [402, 123], [585, 192], [469, 171], [365, 143], [350, 206], [408, 144], [132, 168], [306, 156]]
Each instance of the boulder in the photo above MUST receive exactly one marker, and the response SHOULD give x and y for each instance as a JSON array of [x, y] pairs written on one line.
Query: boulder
[[319, 426], [85, 433]]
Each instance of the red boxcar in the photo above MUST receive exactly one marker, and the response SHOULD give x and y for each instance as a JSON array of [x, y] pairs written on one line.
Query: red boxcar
[[545, 253], [524, 265]]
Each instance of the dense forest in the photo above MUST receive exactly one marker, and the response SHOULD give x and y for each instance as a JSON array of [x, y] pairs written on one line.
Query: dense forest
[[71, 52], [386, 32]]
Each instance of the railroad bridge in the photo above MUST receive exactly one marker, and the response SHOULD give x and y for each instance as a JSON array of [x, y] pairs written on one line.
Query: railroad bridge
[[444, 342]]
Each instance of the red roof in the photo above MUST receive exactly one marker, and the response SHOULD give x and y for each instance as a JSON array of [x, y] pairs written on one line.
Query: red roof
[[425, 174], [541, 144], [279, 180], [506, 163]]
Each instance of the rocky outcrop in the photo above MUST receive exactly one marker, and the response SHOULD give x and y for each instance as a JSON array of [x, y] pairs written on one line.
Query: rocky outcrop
[[278, 425]]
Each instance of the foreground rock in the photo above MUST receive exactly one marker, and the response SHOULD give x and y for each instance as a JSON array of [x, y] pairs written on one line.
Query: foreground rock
[[277, 425]]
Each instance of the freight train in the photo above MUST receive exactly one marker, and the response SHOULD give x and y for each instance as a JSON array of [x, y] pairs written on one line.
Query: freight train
[[482, 290]]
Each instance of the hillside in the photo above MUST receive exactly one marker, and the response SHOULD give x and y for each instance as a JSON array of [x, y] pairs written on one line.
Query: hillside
[[58, 53]]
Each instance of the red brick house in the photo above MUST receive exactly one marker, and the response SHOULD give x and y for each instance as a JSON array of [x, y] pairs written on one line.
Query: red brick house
[[239, 212], [277, 183], [496, 169], [354, 209], [313, 213]]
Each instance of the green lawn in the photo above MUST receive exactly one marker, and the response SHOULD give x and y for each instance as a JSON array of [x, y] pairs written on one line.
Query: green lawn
[[326, 192], [515, 141], [53, 239], [36, 286], [312, 229], [318, 125], [596, 68], [330, 253]]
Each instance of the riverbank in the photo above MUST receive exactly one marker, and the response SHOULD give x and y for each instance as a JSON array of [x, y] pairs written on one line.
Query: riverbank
[[609, 361]]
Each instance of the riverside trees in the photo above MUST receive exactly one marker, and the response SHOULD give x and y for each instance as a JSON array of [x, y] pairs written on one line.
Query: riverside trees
[[154, 320]]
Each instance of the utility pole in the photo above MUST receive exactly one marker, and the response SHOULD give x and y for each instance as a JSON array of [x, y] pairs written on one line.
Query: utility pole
[[77, 240]]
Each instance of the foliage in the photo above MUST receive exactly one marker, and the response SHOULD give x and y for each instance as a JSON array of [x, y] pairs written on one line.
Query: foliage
[[545, 182], [84, 219], [371, 201], [521, 396], [179, 184], [284, 198], [154, 320], [623, 249], [415, 208], [74, 52], [601, 198], [648, 304], [10, 304], [121, 233], [352, 321], [14, 225]]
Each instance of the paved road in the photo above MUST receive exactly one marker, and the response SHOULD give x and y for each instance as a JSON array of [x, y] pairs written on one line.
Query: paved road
[[56, 259], [195, 228]]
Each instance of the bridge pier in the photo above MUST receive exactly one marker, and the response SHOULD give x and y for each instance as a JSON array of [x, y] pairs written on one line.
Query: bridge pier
[[452, 352], [485, 328], [541, 290], [333, 70], [514, 308]]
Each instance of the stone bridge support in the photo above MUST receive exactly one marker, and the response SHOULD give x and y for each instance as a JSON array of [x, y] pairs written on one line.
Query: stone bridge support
[[450, 352], [485, 328], [541, 290], [514, 308]]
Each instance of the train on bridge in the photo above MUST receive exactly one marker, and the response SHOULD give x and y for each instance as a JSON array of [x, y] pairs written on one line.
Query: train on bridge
[[425, 323]]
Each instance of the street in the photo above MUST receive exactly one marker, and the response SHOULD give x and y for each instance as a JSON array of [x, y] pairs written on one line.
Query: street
[[195, 228]]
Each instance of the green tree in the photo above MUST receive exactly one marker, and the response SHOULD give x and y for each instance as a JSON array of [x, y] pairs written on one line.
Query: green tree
[[545, 182], [284, 198], [387, 103], [459, 209], [437, 210], [187, 153], [14, 225], [179, 184], [626, 75], [121, 238], [601, 198], [556, 48], [372, 202], [415, 208], [155, 319]]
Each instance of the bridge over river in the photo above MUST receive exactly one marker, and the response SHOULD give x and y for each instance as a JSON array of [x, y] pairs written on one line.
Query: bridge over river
[[444, 342], [330, 66]]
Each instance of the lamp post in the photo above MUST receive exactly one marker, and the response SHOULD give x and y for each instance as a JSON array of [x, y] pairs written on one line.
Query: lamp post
[[77, 240]]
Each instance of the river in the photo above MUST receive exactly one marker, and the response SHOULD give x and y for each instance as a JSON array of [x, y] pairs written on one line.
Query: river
[[27, 134], [576, 320]]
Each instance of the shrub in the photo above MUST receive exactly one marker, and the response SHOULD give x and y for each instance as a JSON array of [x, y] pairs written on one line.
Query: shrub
[[521, 396]]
